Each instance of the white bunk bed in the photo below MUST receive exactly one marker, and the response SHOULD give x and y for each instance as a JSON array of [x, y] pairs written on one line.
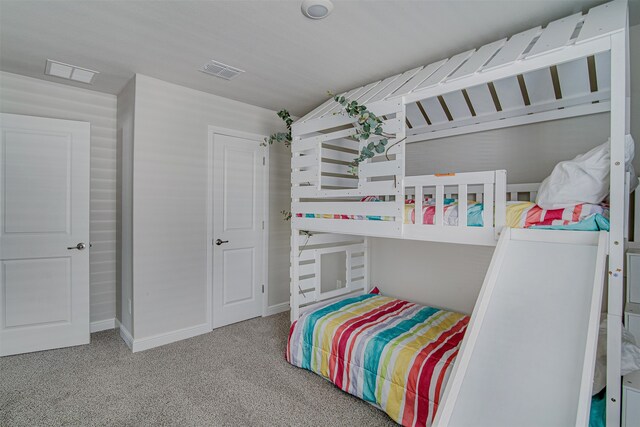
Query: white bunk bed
[[573, 67]]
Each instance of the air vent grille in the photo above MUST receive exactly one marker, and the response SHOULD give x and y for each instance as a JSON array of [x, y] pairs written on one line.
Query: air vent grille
[[221, 70]]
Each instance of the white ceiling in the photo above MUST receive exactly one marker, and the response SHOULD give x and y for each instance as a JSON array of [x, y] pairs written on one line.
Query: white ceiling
[[290, 61]]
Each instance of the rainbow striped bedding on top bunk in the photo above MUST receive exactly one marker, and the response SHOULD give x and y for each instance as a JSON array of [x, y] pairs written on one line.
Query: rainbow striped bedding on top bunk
[[392, 353], [583, 216]]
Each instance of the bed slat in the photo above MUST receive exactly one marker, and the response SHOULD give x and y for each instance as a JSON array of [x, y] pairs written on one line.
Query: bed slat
[[443, 72], [481, 100], [539, 86], [376, 90], [419, 77], [457, 105], [477, 60], [508, 91], [352, 97], [603, 20], [395, 85], [603, 70], [434, 110], [512, 49], [555, 36], [574, 78], [414, 116]]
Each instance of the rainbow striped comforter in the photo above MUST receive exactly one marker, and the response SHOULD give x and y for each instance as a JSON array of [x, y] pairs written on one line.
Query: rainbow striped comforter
[[392, 353]]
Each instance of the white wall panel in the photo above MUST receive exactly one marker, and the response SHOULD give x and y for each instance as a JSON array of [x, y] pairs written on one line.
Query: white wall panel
[[170, 202], [33, 97]]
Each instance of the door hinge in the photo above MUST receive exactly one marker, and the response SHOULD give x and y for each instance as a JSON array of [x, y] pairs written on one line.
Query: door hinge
[[263, 161], [263, 225], [263, 289]]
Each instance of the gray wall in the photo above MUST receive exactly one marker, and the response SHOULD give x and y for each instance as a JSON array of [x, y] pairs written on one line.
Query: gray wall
[[125, 125], [169, 202], [33, 97], [450, 276]]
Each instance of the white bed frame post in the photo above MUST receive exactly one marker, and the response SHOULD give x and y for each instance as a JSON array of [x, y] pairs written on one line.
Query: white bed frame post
[[619, 194]]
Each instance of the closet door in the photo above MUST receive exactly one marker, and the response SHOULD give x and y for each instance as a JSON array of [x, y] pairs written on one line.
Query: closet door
[[44, 233], [239, 194]]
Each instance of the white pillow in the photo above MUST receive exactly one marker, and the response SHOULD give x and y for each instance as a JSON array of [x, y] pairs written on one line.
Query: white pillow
[[585, 179], [630, 356]]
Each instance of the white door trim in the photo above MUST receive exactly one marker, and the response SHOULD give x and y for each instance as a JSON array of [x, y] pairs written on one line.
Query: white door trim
[[265, 232]]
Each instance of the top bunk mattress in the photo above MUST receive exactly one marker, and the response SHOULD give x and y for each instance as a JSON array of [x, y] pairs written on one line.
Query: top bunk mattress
[[394, 354], [583, 216]]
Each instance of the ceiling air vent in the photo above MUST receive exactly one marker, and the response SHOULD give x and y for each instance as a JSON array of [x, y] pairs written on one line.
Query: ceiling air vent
[[221, 70]]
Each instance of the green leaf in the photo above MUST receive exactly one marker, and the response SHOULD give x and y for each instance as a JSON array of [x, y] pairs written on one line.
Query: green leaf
[[370, 146], [379, 148]]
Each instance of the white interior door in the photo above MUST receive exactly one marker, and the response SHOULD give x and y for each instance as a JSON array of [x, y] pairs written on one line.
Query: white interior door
[[239, 186], [44, 233]]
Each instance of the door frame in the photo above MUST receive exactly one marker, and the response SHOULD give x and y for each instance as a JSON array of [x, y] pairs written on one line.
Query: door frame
[[212, 131]]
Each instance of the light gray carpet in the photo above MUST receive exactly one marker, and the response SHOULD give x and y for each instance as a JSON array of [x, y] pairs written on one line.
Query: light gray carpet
[[233, 376]]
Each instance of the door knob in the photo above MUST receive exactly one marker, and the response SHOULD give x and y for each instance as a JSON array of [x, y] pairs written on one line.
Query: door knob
[[80, 246], [219, 242]]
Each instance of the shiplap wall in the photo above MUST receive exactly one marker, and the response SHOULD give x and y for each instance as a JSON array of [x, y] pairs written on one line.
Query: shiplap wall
[[450, 276], [33, 97], [170, 203]]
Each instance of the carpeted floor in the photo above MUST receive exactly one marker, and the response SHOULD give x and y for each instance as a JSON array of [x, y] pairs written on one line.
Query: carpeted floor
[[233, 376]]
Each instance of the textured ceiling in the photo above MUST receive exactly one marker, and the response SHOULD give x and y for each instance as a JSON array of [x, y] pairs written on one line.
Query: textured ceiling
[[290, 61]]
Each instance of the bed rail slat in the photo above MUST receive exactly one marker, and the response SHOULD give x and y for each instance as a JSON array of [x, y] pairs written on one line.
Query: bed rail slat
[[555, 36], [487, 212], [298, 162], [439, 205], [462, 205], [306, 269], [512, 49], [388, 168]]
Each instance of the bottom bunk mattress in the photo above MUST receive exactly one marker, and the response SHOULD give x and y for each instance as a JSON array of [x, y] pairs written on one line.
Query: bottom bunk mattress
[[394, 354]]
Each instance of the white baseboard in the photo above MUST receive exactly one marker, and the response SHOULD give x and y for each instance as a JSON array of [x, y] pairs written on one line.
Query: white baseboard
[[141, 344], [275, 309], [102, 325], [125, 335]]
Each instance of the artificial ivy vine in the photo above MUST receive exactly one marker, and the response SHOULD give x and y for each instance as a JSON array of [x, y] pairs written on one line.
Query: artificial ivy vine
[[283, 137], [368, 125]]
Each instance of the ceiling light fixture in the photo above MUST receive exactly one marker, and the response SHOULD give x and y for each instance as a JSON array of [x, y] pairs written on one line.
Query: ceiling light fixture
[[316, 9], [69, 72]]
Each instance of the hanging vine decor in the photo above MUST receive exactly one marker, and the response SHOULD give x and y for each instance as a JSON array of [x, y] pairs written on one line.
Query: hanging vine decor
[[283, 137], [368, 125]]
